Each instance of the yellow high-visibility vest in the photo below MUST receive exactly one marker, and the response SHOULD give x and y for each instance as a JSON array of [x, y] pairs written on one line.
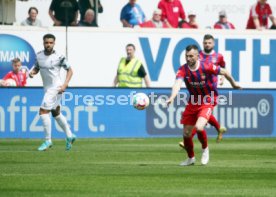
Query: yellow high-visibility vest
[[128, 74]]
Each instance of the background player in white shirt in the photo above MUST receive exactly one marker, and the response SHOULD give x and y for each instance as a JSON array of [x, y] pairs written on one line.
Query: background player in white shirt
[[49, 63]]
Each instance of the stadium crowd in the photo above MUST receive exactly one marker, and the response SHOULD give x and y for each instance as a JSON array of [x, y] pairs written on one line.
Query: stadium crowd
[[166, 14]]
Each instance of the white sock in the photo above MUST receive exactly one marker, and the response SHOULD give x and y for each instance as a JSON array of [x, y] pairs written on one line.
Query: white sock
[[47, 126], [62, 122]]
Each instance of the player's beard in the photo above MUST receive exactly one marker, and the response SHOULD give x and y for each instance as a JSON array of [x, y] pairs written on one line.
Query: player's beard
[[191, 64], [48, 49], [208, 50]]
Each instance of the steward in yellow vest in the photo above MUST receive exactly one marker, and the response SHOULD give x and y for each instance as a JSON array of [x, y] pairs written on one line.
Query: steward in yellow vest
[[130, 72]]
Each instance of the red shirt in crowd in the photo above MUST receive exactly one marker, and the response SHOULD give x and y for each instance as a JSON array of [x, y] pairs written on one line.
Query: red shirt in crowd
[[172, 11], [262, 12], [227, 25], [151, 24], [186, 25], [20, 78]]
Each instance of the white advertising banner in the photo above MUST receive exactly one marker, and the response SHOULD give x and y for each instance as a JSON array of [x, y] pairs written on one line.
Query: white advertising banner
[[95, 53]]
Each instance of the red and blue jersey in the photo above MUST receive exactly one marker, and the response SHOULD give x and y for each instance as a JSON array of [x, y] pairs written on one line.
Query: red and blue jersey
[[214, 57], [200, 82]]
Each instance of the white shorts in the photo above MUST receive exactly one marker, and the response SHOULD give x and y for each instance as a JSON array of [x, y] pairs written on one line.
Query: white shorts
[[51, 99]]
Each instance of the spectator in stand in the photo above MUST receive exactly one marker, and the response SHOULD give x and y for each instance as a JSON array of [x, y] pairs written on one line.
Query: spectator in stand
[[7, 12], [172, 10], [259, 14], [84, 5], [16, 77], [192, 24], [223, 22], [32, 19], [132, 14], [89, 19], [64, 12], [156, 22]]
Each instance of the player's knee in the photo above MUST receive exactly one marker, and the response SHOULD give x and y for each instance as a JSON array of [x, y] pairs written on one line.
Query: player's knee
[[199, 128], [187, 133]]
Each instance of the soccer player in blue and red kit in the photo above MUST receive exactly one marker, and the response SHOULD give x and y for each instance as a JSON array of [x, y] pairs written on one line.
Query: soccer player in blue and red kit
[[199, 80], [209, 55]]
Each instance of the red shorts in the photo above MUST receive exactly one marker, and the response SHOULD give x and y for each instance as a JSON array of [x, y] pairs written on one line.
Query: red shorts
[[193, 112]]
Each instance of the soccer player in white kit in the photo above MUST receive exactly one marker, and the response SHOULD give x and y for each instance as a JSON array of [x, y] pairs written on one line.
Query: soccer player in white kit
[[49, 63]]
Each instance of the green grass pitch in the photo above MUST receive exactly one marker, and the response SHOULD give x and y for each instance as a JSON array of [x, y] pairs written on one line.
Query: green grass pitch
[[137, 167]]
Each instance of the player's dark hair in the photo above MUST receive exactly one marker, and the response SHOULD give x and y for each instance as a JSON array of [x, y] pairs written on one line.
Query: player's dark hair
[[208, 37], [15, 60], [46, 36], [32, 8], [190, 47], [130, 45]]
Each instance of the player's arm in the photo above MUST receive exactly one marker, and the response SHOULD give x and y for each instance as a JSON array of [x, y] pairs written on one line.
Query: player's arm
[[33, 72], [222, 64], [67, 79], [229, 78], [175, 89]]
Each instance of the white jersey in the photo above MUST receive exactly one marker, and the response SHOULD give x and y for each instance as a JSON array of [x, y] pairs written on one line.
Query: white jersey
[[49, 67]]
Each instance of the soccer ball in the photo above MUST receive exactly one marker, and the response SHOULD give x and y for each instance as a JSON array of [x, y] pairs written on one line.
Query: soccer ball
[[10, 82], [140, 101]]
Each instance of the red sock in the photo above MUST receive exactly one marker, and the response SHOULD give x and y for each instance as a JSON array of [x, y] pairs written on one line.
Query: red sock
[[202, 137], [193, 133], [189, 146], [213, 121]]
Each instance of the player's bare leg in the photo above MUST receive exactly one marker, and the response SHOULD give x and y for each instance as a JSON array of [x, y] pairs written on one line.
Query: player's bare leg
[[202, 136]]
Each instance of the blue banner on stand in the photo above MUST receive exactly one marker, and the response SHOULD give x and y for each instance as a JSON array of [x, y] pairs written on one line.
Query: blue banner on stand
[[108, 113]]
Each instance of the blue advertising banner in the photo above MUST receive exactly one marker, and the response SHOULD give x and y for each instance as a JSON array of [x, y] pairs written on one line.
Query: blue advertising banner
[[11, 47], [108, 112]]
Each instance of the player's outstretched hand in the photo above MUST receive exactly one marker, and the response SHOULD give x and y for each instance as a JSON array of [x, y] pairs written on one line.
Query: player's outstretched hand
[[31, 74], [169, 101]]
